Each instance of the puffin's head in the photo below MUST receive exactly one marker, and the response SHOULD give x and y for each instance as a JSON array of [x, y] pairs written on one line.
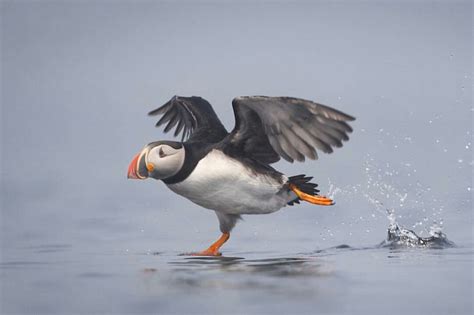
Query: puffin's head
[[158, 160]]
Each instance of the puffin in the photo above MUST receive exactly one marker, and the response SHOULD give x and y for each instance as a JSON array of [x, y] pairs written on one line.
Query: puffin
[[230, 172]]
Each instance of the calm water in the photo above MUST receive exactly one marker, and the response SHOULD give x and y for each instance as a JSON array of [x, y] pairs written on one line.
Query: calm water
[[396, 277]]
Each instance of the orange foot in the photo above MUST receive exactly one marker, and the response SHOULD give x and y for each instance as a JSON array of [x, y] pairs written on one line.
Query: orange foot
[[213, 250], [317, 200]]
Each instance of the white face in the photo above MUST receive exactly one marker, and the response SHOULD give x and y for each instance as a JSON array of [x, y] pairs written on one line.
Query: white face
[[164, 161]]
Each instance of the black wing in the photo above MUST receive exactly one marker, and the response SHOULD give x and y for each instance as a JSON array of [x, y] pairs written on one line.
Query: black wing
[[193, 117], [269, 127]]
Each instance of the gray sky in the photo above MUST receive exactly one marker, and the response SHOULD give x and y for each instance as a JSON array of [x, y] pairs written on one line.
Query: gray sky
[[79, 77]]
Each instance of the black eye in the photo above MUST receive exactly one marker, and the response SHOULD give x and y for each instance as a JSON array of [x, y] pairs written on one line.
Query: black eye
[[161, 153]]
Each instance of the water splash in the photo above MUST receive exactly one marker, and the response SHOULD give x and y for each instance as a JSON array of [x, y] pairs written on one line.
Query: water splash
[[333, 190], [400, 237], [400, 183]]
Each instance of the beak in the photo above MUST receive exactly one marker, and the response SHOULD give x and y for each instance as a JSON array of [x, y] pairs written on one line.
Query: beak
[[137, 168]]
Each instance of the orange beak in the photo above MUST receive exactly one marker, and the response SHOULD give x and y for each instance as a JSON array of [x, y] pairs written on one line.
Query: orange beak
[[133, 171], [132, 168]]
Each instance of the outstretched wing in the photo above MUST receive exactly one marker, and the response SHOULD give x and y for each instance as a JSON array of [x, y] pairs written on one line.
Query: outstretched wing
[[269, 127], [193, 117]]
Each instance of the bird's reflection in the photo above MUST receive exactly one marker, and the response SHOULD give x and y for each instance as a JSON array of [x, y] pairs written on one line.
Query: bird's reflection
[[278, 267]]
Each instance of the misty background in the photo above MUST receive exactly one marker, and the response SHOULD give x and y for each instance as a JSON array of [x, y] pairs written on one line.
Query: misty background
[[77, 79]]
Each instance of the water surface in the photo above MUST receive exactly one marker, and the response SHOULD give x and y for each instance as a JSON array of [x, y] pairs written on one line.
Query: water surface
[[393, 279]]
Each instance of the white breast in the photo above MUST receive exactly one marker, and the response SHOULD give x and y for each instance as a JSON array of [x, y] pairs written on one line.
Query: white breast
[[224, 184]]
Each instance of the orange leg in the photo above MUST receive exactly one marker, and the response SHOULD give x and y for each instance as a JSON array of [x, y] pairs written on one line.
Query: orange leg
[[317, 200], [213, 250]]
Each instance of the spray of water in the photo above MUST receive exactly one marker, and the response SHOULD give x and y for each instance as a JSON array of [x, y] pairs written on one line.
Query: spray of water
[[398, 236], [387, 199]]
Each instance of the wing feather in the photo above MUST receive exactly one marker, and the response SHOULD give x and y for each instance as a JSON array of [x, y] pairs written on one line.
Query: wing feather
[[277, 147], [290, 148], [172, 121], [193, 117], [303, 145], [179, 128], [310, 140], [166, 117], [286, 127]]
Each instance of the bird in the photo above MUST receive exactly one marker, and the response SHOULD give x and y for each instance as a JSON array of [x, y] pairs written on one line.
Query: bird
[[230, 172]]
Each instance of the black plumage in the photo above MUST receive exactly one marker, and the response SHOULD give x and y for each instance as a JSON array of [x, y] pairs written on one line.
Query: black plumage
[[266, 128], [193, 117]]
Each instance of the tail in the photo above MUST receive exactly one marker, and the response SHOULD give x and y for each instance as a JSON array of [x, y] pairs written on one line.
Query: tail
[[306, 191]]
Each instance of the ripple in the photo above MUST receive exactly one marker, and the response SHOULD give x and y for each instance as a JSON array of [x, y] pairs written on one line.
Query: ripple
[[21, 264], [95, 274]]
